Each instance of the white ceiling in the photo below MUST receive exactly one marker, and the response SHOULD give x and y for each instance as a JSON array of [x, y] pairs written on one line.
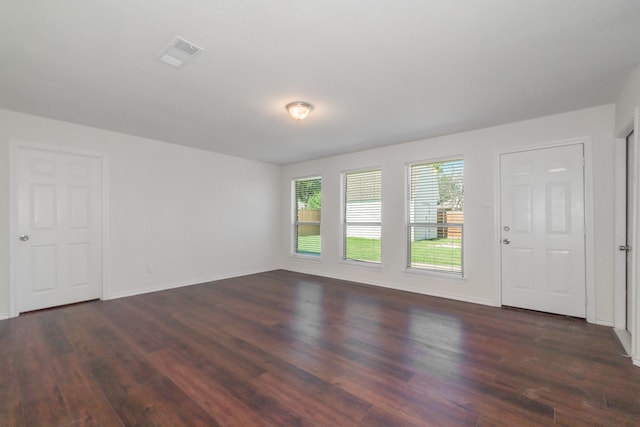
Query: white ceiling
[[378, 72]]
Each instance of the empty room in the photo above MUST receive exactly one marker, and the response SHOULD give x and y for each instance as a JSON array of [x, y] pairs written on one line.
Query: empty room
[[335, 213]]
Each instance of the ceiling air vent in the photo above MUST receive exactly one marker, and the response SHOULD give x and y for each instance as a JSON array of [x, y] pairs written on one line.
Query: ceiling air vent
[[179, 52]]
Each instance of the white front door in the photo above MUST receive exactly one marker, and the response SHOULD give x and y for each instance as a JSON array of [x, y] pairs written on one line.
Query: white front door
[[58, 257], [543, 230]]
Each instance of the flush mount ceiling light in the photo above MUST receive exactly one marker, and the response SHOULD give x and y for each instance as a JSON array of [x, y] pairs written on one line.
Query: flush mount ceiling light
[[299, 110]]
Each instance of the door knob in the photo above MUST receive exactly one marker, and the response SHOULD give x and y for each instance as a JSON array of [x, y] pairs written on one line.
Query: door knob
[[24, 237], [506, 241]]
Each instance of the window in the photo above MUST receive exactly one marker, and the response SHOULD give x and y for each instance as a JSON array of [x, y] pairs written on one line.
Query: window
[[362, 215], [436, 216], [307, 212]]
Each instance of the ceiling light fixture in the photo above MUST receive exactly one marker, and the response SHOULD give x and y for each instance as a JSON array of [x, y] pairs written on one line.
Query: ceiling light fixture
[[299, 110]]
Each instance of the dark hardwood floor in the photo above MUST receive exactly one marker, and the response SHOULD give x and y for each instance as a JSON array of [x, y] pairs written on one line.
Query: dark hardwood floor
[[288, 349]]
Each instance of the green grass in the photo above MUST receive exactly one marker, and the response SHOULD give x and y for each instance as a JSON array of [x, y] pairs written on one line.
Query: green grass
[[361, 249], [437, 252], [308, 245]]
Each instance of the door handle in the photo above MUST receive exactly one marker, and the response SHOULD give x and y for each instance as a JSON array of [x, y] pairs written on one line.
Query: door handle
[[506, 241], [24, 237]]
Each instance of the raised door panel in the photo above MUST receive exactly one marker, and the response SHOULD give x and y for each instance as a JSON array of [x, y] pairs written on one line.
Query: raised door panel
[[44, 259], [558, 208], [79, 208], [521, 208], [44, 206], [79, 262]]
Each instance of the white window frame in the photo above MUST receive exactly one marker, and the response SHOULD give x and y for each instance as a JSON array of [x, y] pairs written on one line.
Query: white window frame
[[294, 219], [343, 194], [454, 275]]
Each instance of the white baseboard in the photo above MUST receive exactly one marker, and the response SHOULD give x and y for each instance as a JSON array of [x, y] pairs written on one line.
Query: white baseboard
[[636, 361], [4, 316], [625, 339], [604, 323], [398, 288], [167, 286]]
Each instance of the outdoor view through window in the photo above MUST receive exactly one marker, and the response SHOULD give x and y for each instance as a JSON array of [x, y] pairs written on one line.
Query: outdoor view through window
[[362, 215], [436, 216], [307, 216]]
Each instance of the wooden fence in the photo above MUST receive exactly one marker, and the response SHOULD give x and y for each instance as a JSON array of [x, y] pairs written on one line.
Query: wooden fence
[[450, 217], [308, 215]]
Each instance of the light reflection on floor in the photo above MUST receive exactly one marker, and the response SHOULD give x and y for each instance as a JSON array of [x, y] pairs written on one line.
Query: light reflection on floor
[[445, 352], [309, 320], [427, 340]]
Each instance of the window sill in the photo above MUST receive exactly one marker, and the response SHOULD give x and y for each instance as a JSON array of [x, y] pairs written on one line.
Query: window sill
[[306, 258], [450, 277], [362, 264]]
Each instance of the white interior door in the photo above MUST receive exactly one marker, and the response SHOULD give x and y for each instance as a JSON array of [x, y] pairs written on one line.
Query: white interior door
[[59, 217], [543, 230]]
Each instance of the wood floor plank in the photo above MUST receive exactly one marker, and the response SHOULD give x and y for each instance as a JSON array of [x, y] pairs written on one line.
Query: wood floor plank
[[126, 394], [282, 348], [40, 395], [12, 416], [176, 406], [593, 418], [484, 397], [315, 359], [84, 401], [179, 334], [377, 417], [330, 406], [200, 384], [395, 397], [10, 390]]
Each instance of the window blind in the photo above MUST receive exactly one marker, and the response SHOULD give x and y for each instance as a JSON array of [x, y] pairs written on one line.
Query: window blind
[[436, 216], [307, 216], [362, 215]]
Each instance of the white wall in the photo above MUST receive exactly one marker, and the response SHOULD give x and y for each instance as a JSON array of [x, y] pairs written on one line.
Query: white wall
[[190, 215], [628, 101], [479, 148]]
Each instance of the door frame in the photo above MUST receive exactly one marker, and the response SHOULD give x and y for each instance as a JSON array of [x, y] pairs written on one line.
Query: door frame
[[619, 321], [619, 304], [588, 218], [15, 146]]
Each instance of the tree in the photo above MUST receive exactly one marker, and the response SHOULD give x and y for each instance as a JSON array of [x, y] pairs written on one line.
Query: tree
[[451, 191], [450, 186], [306, 188], [315, 201]]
